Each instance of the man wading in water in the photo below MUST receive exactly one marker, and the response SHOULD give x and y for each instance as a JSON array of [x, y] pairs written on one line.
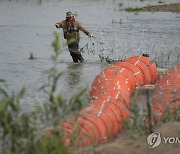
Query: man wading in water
[[71, 29]]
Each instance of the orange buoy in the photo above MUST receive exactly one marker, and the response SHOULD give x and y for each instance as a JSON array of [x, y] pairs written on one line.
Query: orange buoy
[[144, 68], [110, 114], [111, 95], [88, 126], [102, 116], [115, 83], [102, 131], [116, 72], [134, 70], [167, 92], [151, 65]]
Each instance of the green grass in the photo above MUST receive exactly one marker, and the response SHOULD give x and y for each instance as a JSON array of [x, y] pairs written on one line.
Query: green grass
[[174, 7], [135, 124], [130, 9]]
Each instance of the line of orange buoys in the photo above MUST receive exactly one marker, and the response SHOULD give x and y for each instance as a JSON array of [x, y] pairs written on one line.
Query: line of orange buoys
[[110, 100]]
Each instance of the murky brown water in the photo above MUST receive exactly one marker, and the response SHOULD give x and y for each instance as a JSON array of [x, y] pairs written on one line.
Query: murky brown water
[[27, 26]]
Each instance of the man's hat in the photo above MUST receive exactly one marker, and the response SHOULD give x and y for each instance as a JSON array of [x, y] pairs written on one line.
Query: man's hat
[[69, 14]]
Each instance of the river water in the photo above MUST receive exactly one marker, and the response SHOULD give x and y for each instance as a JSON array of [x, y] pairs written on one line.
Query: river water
[[27, 26]]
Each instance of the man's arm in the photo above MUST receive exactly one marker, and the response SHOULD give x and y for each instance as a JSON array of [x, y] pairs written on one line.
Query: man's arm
[[81, 27], [59, 24]]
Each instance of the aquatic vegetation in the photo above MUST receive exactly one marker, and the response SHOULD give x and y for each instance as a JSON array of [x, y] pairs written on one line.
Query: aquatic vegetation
[[160, 2], [117, 22], [130, 9], [31, 56], [120, 4]]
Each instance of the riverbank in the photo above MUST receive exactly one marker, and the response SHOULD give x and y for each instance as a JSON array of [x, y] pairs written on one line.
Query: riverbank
[[139, 145], [175, 7]]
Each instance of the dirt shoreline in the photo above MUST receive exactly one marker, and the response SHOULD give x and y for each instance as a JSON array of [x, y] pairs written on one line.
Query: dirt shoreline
[[139, 145]]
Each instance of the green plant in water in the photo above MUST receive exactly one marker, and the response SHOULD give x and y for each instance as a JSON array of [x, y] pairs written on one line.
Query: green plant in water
[[160, 2], [136, 13], [120, 4], [31, 56], [120, 21]]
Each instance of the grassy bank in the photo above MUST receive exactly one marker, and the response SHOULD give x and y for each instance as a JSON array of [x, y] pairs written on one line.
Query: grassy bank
[[175, 7]]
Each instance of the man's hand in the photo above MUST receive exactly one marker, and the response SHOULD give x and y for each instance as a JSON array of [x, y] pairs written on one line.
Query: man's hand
[[90, 35], [57, 25]]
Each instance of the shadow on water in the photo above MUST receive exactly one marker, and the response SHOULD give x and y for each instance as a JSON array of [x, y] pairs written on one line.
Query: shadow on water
[[74, 72]]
